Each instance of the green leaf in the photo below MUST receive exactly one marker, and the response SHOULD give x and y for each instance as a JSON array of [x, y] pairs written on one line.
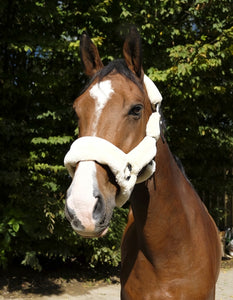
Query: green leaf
[[16, 227]]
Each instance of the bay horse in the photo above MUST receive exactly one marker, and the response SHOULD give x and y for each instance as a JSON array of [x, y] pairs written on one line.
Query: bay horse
[[170, 247]]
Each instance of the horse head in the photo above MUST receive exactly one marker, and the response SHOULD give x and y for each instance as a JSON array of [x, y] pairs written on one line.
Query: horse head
[[118, 119]]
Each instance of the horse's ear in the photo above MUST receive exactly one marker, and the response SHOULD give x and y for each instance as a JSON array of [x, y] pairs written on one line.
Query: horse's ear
[[132, 51], [89, 56]]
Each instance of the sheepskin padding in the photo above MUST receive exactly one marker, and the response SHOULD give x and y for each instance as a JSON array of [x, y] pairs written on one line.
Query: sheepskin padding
[[152, 92], [125, 167]]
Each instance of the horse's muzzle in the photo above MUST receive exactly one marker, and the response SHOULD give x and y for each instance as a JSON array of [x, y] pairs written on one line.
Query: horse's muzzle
[[100, 227]]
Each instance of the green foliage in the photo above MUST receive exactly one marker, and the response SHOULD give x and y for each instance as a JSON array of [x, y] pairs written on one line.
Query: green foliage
[[107, 249], [188, 49], [31, 260]]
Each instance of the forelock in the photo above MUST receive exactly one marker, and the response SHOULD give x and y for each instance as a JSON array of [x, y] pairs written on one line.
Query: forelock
[[117, 66]]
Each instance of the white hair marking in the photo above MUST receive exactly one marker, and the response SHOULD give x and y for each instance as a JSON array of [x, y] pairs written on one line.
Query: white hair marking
[[101, 92]]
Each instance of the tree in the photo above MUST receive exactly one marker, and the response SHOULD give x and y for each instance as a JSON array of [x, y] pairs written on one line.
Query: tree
[[187, 52]]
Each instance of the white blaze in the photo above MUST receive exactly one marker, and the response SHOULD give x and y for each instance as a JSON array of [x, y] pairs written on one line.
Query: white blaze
[[81, 194], [101, 92], [81, 197]]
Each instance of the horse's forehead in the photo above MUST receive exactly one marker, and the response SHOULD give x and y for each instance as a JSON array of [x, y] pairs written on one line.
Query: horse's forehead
[[116, 88], [117, 85], [101, 92], [123, 85]]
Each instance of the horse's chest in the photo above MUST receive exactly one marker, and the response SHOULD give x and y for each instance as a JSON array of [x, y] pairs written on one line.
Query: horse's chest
[[140, 280]]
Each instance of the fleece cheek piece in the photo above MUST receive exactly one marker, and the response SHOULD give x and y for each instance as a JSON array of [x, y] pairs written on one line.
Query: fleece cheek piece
[[125, 167], [153, 92], [131, 168]]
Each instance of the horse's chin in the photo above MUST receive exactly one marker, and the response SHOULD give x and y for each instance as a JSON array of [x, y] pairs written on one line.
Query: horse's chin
[[94, 234], [104, 232]]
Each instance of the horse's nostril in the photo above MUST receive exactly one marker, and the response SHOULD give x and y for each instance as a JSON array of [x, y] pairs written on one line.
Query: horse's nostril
[[69, 213], [99, 208], [77, 224]]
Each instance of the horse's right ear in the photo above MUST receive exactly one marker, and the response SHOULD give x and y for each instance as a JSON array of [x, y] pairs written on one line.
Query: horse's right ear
[[89, 56]]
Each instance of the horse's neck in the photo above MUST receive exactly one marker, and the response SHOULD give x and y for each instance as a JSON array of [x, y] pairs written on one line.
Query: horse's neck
[[160, 205]]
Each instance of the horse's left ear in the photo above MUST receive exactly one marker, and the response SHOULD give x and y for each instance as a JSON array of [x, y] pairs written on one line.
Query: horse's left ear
[[89, 55], [132, 51]]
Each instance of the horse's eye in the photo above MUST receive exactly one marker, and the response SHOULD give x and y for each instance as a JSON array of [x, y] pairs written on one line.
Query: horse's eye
[[136, 110]]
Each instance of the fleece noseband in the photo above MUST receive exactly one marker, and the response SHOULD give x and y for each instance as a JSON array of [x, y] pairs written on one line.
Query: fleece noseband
[[131, 168]]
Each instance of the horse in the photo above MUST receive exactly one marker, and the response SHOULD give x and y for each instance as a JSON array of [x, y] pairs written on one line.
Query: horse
[[170, 247]]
